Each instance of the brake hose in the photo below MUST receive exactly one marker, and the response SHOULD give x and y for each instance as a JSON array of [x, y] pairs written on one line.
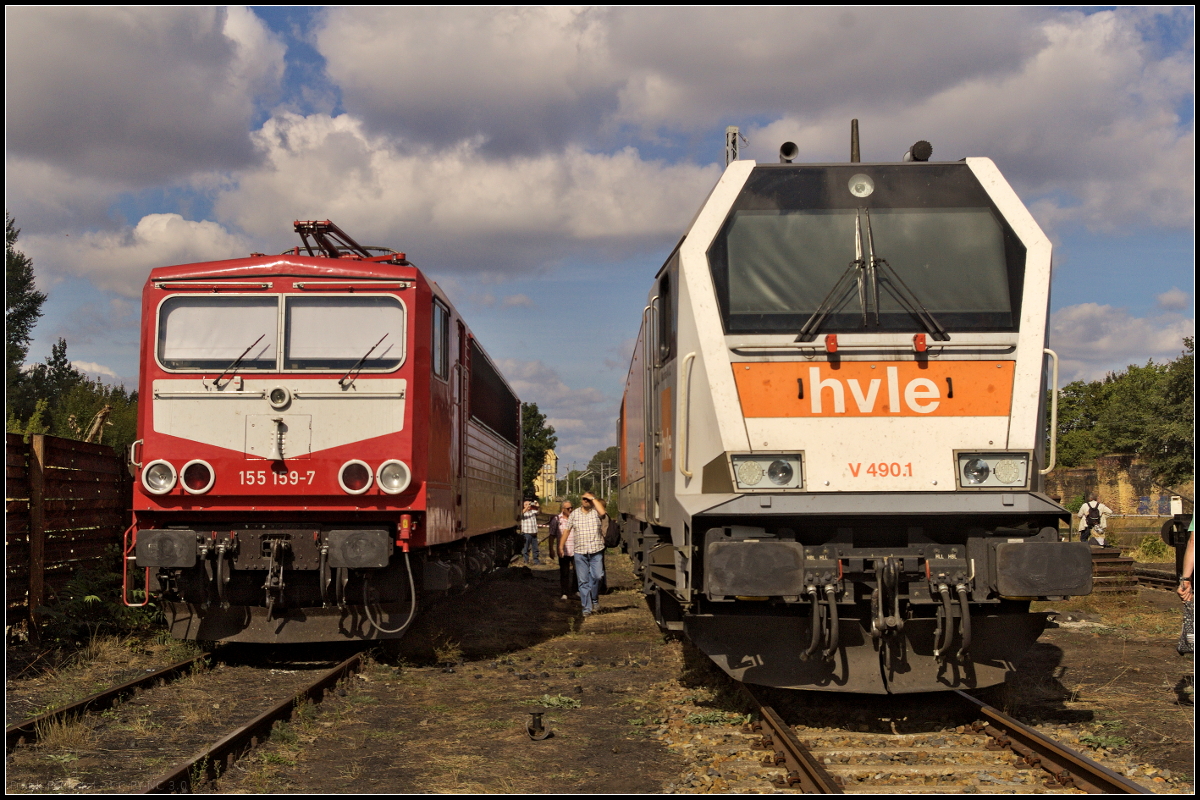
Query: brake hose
[[412, 609]]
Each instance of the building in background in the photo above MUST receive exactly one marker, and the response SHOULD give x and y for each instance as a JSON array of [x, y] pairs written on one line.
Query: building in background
[[546, 482]]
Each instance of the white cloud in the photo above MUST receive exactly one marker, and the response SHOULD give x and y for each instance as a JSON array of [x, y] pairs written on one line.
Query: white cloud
[[583, 419], [1174, 299], [135, 95], [518, 301], [453, 208], [532, 78], [1093, 340], [1088, 122], [97, 370], [120, 261]]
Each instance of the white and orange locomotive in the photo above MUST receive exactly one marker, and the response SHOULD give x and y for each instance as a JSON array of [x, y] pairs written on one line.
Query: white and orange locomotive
[[321, 442], [834, 429]]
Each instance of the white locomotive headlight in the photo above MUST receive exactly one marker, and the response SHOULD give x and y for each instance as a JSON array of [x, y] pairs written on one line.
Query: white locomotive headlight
[[279, 397], [354, 477], [861, 185], [770, 472], [976, 471], [393, 476], [993, 470], [198, 477], [159, 477], [780, 472]]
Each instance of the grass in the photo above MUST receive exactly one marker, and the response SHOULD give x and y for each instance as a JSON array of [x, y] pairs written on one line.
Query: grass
[[69, 734], [1125, 613]]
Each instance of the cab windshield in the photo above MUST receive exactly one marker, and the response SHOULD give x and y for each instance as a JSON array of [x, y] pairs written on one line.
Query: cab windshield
[[318, 333], [794, 233]]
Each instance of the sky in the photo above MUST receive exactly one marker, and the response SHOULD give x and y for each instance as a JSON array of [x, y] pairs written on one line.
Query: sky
[[540, 163]]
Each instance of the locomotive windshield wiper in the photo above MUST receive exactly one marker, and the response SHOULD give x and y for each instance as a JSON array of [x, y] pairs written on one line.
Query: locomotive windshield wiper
[[233, 367], [857, 271], [898, 289], [358, 365], [869, 273]]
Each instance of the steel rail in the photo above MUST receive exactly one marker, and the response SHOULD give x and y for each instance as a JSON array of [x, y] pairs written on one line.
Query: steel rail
[[29, 730], [211, 762], [1068, 767], [802, 767]]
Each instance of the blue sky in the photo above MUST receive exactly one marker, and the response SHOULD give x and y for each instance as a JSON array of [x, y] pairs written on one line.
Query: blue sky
[[540, 163]]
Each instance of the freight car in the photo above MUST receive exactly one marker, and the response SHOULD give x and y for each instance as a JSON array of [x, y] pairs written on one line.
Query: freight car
[[834, 428], [322, 442]]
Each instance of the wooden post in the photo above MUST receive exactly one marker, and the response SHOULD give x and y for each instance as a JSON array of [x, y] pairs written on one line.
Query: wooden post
[[37, 527]]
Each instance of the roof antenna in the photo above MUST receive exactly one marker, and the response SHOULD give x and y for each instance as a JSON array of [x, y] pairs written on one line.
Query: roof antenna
[[731, 144], [854, 141]]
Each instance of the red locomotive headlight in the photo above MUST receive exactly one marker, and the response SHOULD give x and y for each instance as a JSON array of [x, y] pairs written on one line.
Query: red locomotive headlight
[[158, 477], [198, 477], [394, 476], [355, 477]]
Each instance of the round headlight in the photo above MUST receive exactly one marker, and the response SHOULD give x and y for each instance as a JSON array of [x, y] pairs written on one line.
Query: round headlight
[[976, 471], [198, 477], [780, 472], [279, 397], [355, 477], [158, 477], [861, 185], [749, 473], [1007, 471], [394, 476]]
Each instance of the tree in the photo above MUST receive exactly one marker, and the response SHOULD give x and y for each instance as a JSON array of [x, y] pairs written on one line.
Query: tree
[[1169, 443], [1145, 410], [537, 437], [22, 308]]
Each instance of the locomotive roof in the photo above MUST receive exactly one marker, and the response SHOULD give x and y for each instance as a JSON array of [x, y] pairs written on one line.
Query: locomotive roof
[[282, 265]]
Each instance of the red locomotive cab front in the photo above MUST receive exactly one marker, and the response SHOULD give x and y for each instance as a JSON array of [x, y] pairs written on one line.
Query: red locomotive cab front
[[291, 398], [307, 424]]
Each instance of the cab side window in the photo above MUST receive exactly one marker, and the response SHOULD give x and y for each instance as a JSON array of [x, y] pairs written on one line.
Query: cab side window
[[441, 340]]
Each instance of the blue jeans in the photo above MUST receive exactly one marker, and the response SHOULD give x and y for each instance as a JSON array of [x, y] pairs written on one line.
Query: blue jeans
[[589, 570], [531, 545]]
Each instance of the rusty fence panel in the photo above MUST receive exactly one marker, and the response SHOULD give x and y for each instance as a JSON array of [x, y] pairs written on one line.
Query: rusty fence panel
[[66, 505]]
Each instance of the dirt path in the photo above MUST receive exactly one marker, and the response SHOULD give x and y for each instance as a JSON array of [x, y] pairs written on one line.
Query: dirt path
[[510, 647], [630, 711]]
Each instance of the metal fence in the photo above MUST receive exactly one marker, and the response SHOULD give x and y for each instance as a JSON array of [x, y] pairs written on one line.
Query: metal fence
[[66, 505]]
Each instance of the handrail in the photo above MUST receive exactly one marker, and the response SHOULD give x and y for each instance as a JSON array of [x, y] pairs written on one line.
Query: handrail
[[1053, 415], [685, 419]]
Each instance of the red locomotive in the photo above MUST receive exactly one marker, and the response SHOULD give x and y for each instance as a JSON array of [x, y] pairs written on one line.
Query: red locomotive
[[321, 443]]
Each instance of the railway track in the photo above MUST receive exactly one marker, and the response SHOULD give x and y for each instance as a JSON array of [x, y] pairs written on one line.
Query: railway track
[[211, 762], [30, 731], [995, 751], [128, 732]]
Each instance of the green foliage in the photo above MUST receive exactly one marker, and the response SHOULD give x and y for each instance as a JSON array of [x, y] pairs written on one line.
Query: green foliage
[[1103, 741], [1153, 550], [88, 605], [554, 701], [1147, 410], [22, 308], [537, 438], [1075, 503]]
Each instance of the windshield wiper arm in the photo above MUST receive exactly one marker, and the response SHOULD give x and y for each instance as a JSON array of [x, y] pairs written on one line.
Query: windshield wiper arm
[[856, 271], [898, 289], [232, 367], [358, 365]]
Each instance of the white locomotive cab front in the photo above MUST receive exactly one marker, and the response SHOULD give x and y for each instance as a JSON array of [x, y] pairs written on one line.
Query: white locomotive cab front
[[838, 401]]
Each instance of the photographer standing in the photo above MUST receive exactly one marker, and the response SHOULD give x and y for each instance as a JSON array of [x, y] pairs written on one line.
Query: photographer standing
[[529, 527]]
